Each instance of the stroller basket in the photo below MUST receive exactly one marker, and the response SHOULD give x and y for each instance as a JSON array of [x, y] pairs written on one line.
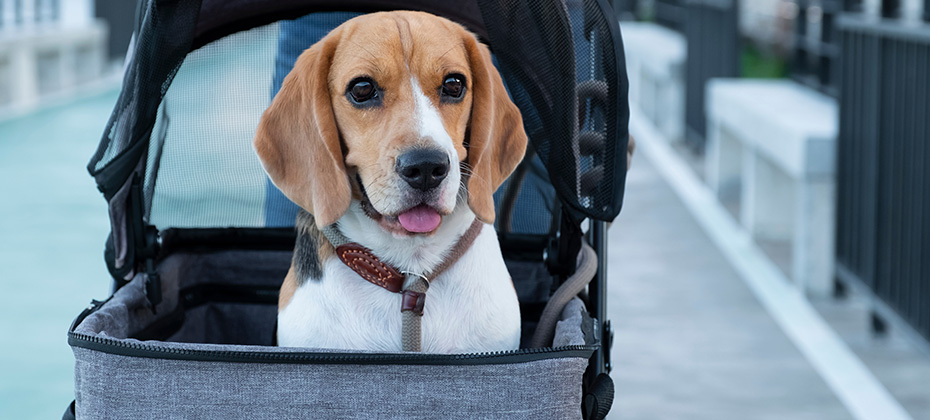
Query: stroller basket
[[198, 247], [218, 361]]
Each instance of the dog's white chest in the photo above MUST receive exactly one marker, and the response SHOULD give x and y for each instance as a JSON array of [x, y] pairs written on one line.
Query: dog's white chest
[[471, 307]]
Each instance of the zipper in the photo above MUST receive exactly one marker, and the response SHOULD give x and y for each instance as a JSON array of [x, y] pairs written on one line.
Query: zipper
[[144, 350], [133, 349]]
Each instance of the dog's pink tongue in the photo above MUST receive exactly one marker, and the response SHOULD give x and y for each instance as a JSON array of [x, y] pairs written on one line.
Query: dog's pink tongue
[[419, 219]]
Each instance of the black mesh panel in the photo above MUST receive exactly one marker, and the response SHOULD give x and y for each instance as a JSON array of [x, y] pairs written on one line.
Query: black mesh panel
[[160, 45], [564, 67]]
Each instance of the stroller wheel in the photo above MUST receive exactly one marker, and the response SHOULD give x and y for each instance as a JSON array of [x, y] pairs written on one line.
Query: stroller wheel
[[598, 398]]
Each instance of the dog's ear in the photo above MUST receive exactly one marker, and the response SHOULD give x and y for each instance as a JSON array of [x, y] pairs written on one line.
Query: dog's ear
[[297, 139], [496, 139]]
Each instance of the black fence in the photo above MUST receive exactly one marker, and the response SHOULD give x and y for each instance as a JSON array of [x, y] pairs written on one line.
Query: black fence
[[712, 31], [883, 169], [120, 16], [626, 9], [713, 51], [816, 49], [670, 14]]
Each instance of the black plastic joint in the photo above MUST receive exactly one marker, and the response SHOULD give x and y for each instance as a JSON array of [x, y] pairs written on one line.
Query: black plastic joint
[[152, 284]]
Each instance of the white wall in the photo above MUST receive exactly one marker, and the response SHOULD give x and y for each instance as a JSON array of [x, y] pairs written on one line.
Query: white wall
[[34, 15], [47, 48]]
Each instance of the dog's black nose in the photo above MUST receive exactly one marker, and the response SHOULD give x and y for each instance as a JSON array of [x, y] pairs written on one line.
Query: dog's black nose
[[423, 168]]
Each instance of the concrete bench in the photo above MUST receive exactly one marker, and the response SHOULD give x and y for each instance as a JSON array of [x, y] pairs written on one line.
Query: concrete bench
[[776, 141], [655, 60]]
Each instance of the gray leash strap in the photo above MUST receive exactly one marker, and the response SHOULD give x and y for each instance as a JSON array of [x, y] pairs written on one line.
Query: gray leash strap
[[334, 236], [411, 334]]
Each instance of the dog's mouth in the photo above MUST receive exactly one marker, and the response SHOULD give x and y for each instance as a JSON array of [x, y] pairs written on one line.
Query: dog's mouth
[[419, 219]]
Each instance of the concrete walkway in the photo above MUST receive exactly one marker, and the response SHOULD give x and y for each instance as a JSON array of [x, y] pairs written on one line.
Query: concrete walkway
[[691, 340]]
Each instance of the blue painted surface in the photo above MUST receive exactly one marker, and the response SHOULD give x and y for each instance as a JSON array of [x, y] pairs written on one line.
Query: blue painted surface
[[53, 224]]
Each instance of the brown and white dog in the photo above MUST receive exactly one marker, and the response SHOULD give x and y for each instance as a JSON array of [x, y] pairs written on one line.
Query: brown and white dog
[[397, 127]]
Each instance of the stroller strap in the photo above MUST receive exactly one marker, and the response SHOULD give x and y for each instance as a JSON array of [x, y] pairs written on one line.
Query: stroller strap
[[364, 262]]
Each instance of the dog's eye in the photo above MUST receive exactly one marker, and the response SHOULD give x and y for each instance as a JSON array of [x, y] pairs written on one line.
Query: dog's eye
[[453, 88], [363, 91]]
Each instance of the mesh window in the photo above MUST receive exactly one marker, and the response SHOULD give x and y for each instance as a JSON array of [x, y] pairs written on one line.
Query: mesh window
[[534, 201], [202, 169]]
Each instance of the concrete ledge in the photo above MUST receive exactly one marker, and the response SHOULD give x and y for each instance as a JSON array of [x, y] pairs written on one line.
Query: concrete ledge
[[794, 126], [776, 141], [655, 59]]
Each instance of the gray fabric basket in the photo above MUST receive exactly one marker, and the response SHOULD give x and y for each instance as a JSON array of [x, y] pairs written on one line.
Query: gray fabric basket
[[206, 353]]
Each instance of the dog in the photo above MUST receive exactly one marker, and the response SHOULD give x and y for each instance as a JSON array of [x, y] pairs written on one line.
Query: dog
[[394, 130]]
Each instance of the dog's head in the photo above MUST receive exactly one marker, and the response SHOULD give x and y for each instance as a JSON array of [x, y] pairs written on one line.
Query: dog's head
[[398, 110]]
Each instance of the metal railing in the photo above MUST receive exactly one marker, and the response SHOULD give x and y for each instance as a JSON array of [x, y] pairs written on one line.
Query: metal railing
[[883, 165], [625, 9], [120, 16], [712, 33], [713, 51], [670, 14], [816, 50]]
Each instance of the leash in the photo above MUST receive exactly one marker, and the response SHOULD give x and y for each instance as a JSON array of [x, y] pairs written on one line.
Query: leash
[[364, 262]]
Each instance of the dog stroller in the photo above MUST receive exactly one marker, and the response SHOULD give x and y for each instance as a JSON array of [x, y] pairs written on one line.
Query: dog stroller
[[198, 250]]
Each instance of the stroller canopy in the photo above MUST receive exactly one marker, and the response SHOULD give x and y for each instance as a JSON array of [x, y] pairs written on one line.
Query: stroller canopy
[[562, 63]]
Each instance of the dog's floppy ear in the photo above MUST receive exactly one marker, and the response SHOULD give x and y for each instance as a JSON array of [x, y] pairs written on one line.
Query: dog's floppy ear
[[496, 140], [298, 142]]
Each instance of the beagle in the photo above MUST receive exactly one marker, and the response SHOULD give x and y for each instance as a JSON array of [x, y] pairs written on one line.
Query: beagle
[[394, 130]]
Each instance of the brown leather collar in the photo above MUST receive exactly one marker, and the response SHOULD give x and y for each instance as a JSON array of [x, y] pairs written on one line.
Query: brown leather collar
[[364, 262]]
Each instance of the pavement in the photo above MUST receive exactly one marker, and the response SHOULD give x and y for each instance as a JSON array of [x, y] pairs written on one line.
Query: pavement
[[691, 339]]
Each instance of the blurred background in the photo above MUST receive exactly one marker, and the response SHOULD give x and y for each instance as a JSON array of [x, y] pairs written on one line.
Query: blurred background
[[60, 68], [770, 260], [794, 133]]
